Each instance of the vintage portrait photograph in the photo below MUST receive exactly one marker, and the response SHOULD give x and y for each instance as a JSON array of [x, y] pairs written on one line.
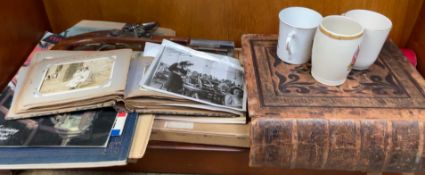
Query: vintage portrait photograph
[[79, 75], [198, 78], [90, 128]]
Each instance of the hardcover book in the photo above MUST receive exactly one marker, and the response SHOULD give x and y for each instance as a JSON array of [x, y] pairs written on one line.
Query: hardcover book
[[235, 135], [114, 154], [90, 128], [373, 122], [70, 132], [141, 137]]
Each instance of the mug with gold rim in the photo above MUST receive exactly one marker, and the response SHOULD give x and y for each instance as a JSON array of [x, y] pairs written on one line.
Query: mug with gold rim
[[335, 49]]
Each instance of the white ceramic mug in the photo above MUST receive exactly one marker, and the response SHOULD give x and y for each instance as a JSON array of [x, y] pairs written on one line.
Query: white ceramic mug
[[335, 48], [296, 32], [376, 29]]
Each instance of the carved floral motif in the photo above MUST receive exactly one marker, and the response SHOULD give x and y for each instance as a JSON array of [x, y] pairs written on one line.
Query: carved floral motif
[[296, 79]]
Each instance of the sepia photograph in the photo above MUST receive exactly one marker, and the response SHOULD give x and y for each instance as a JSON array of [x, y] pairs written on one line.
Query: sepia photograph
[[90, 128], [78, 75], [198, 78]]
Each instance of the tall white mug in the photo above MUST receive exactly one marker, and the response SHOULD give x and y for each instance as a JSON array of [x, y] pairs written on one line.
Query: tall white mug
[[296, 32], [335, 49], [376, 29]]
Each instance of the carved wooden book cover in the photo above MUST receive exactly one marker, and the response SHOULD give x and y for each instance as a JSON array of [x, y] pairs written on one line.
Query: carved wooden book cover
[[373, 122]]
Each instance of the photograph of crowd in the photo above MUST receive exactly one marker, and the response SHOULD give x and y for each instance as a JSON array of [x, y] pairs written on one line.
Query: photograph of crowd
[[199, 78]]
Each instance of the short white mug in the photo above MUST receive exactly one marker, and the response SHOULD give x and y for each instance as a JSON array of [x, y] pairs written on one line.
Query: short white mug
[[376, 29], [335, 48], [296, 32]]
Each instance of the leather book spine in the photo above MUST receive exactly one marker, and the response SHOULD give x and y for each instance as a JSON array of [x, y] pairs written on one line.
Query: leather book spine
[[359, 145]]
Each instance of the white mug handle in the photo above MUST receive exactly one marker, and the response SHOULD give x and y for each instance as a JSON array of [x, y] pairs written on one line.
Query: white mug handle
[[288, 45]]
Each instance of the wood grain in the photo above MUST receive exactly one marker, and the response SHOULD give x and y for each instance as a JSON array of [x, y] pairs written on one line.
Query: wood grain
[[222, 19], [417, 41], [175, 158], [22, 25], [169, 157]]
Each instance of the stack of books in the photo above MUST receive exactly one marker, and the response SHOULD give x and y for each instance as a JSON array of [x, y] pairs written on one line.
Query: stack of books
[[97, 108], [83, 138]]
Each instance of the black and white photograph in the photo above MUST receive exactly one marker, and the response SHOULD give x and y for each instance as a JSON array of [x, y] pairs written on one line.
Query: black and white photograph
[[78, 75], [198, 78], [90, 128]]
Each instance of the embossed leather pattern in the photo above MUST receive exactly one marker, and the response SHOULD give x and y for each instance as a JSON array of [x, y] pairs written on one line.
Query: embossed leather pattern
[[373, 122]]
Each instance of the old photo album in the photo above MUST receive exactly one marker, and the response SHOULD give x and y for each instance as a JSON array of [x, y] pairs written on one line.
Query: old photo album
[[66, 81], [175, 81], [88, 128]]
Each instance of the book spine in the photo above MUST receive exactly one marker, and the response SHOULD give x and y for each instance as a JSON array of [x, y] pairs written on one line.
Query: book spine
[[59, 111], [360, 145]]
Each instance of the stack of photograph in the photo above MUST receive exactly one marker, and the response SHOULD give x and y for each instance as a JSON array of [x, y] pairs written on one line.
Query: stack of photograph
[[168, 80], [180, 83]]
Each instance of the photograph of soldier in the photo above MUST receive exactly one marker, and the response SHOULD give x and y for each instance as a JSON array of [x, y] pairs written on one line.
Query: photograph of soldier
[[178, 72]]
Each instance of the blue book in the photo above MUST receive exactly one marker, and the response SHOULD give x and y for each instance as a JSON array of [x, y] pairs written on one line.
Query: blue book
[[115, 153], [89, 128]]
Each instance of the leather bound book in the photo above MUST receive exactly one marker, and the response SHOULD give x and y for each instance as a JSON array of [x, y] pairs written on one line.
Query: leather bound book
[[373, 122]]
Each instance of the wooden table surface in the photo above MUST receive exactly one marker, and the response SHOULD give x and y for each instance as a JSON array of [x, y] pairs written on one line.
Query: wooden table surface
[[171, 157]]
